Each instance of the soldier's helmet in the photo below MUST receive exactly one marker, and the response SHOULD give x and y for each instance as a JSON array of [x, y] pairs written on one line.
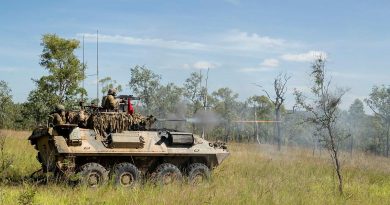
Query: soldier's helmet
[[112, 91], [59, 108]]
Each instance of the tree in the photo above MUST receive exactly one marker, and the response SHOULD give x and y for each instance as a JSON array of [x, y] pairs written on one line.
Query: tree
[[324, 108], [169, 96], [38, 106], [66, 71], [6, 159], [262, 107], [107, 83], [224, 103], [61, 85], [356, 116], [144, 82], [280, 90], [379, 103], [193, 91], [374, 142], [5, 104]]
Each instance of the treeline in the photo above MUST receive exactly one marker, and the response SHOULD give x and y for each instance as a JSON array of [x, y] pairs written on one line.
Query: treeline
[[219, 112]]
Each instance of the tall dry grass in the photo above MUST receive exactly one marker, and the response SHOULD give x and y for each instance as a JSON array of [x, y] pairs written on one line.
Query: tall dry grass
[[253, 174]]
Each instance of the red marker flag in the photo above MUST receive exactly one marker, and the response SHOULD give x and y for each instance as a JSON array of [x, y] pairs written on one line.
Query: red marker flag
[[130, 109]]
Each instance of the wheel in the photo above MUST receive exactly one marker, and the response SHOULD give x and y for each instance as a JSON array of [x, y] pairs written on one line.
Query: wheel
[[198, 173], [93, 174], [167, 174], [125, 175]]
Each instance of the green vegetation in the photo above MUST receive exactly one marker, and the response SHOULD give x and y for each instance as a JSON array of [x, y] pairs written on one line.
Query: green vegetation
[[253, 174], [62, 84], [325, 114]]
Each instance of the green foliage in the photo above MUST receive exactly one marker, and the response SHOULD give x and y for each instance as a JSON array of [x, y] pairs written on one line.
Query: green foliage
[[107, 83], [224, 102], [323, 106], [356, 110], [193, 91], [26, 197], [297, 131], [144, 82], [5, 105], [159, 100], [167, 99], [264, 106], [379, 102], [65, 69], [6, 159], [253, 174], [39, 105], [356, 121], [12, 115], [324, 110], [61, 85]]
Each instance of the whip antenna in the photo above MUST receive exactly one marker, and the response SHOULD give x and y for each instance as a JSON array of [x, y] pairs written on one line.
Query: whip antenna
[[97, 66], [82, 94]]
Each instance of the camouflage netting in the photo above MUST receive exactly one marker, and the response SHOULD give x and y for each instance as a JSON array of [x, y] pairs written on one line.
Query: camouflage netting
[[117, 122], [218, 144]]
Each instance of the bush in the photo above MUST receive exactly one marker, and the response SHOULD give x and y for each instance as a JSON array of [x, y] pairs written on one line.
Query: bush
[[26, 197], [5, 159]]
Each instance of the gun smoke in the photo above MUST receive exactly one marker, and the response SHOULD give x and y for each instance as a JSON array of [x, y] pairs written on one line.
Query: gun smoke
[[207, 119]]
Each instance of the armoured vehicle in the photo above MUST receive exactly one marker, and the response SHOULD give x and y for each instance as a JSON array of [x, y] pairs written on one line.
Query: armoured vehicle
[[124, 148]]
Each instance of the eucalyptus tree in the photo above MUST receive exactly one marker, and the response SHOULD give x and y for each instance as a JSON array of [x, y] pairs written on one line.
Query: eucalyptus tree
[[278, 98], [108, 83], [145, 83], [62, 84], [5, 104], [323, 106], [379, 102], [356, 120]]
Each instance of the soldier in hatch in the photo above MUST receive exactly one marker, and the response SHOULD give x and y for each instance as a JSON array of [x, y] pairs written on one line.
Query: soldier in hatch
[[59, 115], [109, 102]]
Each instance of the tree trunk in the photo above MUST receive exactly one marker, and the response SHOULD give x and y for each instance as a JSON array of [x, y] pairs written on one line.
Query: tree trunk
[[227, 131], [351, 145], [256, 128], [387, 140], [338, 171], [334, 151], [278, 128], [314, 145]]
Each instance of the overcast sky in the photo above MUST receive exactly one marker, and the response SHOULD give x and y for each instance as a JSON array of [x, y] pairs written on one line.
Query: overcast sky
[[242, 42]]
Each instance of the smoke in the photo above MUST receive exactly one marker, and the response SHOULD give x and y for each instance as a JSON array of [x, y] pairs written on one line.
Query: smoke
[[178, 119], [206, 118], [179, 113]]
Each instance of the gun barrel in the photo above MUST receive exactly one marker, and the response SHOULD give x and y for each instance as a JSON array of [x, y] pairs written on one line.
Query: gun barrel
[[253, 121], [172, 120], [128, 97]]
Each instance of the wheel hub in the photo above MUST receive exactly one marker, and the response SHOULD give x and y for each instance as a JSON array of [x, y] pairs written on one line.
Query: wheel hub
[[168, 178], [93, 179], [198, 178], [126, 179]]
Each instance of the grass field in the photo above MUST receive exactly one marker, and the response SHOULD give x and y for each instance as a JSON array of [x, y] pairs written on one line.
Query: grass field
[[253, 174]]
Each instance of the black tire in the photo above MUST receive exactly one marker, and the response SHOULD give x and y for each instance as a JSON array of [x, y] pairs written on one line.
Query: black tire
[[125, 175], [167, 173], [93, 175], [198, 173]]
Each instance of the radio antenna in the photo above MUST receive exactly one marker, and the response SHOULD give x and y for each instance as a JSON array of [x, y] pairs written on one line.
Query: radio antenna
[[205, 101], [82, 94], [97, 66]]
